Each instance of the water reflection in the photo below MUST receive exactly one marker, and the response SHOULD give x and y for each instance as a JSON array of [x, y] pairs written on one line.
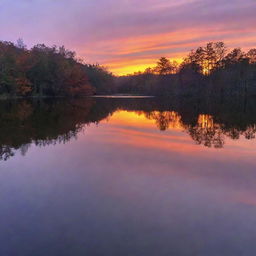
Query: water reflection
[[134, 182], [48, 122]]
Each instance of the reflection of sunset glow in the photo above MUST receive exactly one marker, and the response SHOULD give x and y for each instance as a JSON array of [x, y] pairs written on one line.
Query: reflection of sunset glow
[[163, 120], [205, 121], [141, 130], [204, 132], [166, 119], [130, 119]]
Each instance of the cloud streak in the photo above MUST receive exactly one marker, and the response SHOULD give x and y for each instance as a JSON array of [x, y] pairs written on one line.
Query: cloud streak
[[127, 34]]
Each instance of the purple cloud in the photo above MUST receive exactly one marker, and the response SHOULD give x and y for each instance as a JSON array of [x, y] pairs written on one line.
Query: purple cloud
[[106, 31]]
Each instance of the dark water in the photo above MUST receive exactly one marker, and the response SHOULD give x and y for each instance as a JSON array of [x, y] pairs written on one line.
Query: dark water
[[127, 177]]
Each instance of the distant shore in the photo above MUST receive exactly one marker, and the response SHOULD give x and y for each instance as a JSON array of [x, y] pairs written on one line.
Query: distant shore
[[125, 96], [7, 97]]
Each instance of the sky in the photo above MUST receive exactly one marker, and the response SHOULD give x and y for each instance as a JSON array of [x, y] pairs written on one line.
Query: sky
[[129, 35]]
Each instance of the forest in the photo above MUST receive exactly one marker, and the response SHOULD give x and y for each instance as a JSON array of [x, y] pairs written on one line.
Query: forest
[[208, 71], [48, 71]]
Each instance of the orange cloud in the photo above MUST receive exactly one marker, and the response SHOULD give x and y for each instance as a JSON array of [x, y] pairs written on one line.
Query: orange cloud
[[129, 35], [126, 55]]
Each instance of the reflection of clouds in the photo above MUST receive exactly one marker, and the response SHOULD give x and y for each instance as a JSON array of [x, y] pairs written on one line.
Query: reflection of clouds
[[227, 175], [246, 199], [147, 138], [139, 128], [205, 131], [122, 182]]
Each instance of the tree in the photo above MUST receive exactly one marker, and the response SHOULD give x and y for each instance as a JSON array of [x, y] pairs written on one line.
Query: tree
[[20, 44], [251, 54], [149, 70], [220, 51], [48, 71], [234, 57], [164, 66]]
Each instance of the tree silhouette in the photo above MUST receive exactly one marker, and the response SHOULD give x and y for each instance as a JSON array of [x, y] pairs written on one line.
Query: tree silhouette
[[164, 66]]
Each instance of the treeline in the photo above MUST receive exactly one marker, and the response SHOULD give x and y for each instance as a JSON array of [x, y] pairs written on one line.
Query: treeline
[[48, 71], [211, 70], [43, 122], [208, 71]]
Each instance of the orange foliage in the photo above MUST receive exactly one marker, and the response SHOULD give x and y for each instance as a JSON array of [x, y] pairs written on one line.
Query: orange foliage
[[23, 86]]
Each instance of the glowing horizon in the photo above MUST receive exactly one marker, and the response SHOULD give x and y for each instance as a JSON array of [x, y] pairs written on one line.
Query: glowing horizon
[[130, 36]]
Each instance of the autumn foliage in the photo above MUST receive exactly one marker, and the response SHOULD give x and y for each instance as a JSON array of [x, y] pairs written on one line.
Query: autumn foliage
[[46, 71]]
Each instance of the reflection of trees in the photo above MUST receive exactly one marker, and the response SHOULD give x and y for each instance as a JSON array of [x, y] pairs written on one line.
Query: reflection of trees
[[6, 152], [205, 131], [44, 122], [165, 119], [230, 119], [250, 132]]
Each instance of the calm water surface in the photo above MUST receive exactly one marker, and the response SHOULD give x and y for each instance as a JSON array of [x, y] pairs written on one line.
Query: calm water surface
[[127, 177]]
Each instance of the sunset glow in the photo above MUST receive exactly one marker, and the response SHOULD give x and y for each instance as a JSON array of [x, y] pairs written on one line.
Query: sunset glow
[[127, 127], [130, 35]]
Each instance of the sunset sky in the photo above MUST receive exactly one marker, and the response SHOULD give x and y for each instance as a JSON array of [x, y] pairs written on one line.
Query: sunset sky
[[129, 35]]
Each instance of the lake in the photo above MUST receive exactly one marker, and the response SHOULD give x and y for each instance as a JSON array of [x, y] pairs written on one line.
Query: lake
[[127, 177]]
